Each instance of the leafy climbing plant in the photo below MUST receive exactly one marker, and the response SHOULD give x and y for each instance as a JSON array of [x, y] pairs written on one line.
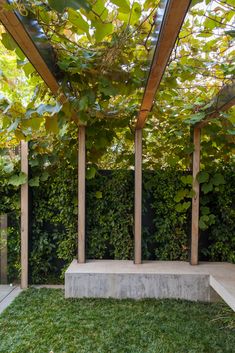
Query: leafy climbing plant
[[103, 51]]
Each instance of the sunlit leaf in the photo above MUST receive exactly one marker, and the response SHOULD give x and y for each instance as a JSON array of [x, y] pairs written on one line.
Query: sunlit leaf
[[102, 30], [18, 179]]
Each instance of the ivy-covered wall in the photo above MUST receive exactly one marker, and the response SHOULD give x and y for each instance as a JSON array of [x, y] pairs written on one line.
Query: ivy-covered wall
[[110, 199], [10, 205], [109, 228]]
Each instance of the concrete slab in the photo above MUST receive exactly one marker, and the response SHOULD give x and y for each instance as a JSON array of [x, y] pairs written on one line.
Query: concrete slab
[[225, 287], [5, 290], [152, 279], [48, 286], [7, 295]]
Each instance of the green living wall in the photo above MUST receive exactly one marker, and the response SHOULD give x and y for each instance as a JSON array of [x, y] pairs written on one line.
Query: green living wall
[[109, 228], [10, 205], [110, 199]]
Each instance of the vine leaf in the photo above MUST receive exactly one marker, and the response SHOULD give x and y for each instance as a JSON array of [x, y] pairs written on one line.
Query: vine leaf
[[61, 5], [18, 179], [90, 174], [76, 19], [34, 181], [207, 187], [202, 224], [100, 9], [8, 168], [13, 125], [8, 42], [194, 2], [102, 30], [218, 179], [203, 177], [124, 5], [182, 207], [98, 195], [180, 195], [51, 124], [44, 176], [187, 179]]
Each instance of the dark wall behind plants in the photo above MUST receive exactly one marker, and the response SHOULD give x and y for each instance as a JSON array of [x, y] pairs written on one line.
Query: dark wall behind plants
[[110, 200]]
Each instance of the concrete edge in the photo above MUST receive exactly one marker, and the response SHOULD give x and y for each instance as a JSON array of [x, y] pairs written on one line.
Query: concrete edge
[[102, 285], [48, 286], [11, 289], [9, 298], [223, 292]]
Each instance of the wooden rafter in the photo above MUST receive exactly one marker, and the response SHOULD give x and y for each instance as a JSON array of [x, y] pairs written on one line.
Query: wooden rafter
[[16, 29], [175, 13], [221, 103]]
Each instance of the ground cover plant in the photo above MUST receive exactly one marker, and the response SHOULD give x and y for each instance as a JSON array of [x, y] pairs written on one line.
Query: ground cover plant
[[42, 321]]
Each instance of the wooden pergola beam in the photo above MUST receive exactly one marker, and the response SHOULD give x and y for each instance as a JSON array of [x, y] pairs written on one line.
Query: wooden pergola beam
[[175, 13], [221, 103], [18, 32]]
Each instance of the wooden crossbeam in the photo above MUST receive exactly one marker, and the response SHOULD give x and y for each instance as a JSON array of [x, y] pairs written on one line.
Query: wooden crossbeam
[[175, 13], [221, 103], [16, 29]]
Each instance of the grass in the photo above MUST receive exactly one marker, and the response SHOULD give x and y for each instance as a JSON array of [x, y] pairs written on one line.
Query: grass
[[42, 321]]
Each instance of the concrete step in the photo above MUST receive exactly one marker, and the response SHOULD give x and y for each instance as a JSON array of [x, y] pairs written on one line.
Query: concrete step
[[151, 279]]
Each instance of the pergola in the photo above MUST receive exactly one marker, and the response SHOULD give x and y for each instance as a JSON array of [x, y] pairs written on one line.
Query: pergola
[[175, 12]]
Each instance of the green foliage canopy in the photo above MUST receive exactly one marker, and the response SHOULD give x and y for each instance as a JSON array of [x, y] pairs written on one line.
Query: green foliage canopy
[[103, 50]]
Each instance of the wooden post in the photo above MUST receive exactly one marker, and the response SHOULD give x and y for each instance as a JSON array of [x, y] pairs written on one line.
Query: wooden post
[[196, 197], [81, 193], [3, 249], [24, 217], [138, 196]]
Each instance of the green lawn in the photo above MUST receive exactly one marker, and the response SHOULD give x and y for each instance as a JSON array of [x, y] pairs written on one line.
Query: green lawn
[[41, 321]]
